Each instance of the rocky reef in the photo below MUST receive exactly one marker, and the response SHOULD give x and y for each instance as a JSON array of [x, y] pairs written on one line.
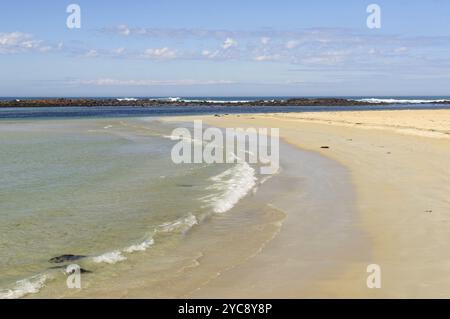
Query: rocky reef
[[148, 102], [93, 102]]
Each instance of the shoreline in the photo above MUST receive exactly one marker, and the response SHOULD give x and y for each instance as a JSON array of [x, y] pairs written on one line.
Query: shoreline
[[251, 222], [223, 243], [320, 225], [398, 161], [377, 194], [269, 224], [401, 180]]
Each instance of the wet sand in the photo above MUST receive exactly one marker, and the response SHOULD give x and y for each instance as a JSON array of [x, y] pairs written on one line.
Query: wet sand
[[293, 223], [399, 166], [356, 188]]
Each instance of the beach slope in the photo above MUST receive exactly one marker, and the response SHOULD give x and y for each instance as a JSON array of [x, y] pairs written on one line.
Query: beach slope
[[399, 164]]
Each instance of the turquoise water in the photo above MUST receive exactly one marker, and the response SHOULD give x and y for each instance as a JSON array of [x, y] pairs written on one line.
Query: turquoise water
[[399, 103], [100, 188], [106, 188]]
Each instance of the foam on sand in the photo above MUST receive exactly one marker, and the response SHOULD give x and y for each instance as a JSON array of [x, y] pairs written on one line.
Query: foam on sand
[[24, 287], [232, 185], [110, 258], [182, 224], [140, 247]]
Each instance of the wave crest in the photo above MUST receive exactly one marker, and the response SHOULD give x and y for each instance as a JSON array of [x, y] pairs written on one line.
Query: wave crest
[[232, 185], [24, 287], [110, 258], [140, 247], [182, 224], [403, 101]]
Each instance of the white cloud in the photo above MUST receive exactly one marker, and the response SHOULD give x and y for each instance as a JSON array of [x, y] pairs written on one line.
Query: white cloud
[[91, 54], [160, 53], [401, 50], [265, 40], [261, 58], [18, 42], [119, 51], [326, 58], [123, 30], [228, 43], [118, 82], [292, 44], [210, 55]]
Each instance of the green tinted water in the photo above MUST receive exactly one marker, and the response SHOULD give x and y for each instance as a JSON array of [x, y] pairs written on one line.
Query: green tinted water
[[89, 187]]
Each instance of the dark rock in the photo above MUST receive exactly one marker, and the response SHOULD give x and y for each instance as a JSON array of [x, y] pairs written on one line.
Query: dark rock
[[86, 102], [326, 147], [82, 270], [65, 258]]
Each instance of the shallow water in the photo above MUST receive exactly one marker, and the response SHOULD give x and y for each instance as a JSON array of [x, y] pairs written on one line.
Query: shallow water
[[105, 189], [129, 111], [108, 189]]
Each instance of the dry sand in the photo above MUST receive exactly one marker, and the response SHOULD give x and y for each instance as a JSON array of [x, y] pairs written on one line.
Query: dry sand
[[399, 163]]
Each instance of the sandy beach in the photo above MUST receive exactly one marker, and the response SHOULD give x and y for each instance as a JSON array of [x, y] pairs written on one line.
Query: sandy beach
[[355, 188], [398, 163]]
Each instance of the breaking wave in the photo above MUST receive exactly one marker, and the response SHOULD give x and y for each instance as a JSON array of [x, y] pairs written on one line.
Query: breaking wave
[[110, 257], [231, 186], [182, 224], [403, 101], [24, 287], [140, 247]]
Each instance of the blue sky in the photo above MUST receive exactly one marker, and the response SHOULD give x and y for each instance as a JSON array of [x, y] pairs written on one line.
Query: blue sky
[[224, 48]]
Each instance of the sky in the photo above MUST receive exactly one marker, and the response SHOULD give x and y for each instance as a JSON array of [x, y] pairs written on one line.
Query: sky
[[224, 48]]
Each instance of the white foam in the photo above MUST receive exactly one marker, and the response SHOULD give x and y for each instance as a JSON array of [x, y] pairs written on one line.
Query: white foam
[[127, 99], [401, 101], [217, 101], [24, 287], [140, 247], [265, 179], [232, 185], [182, 224], [110, 258], [168, 99], [178, 99]]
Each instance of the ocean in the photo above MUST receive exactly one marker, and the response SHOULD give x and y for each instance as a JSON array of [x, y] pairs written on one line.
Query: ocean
[[411, 102]]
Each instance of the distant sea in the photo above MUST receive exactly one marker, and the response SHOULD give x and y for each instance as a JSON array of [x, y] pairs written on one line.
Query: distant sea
[[399, 102]]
